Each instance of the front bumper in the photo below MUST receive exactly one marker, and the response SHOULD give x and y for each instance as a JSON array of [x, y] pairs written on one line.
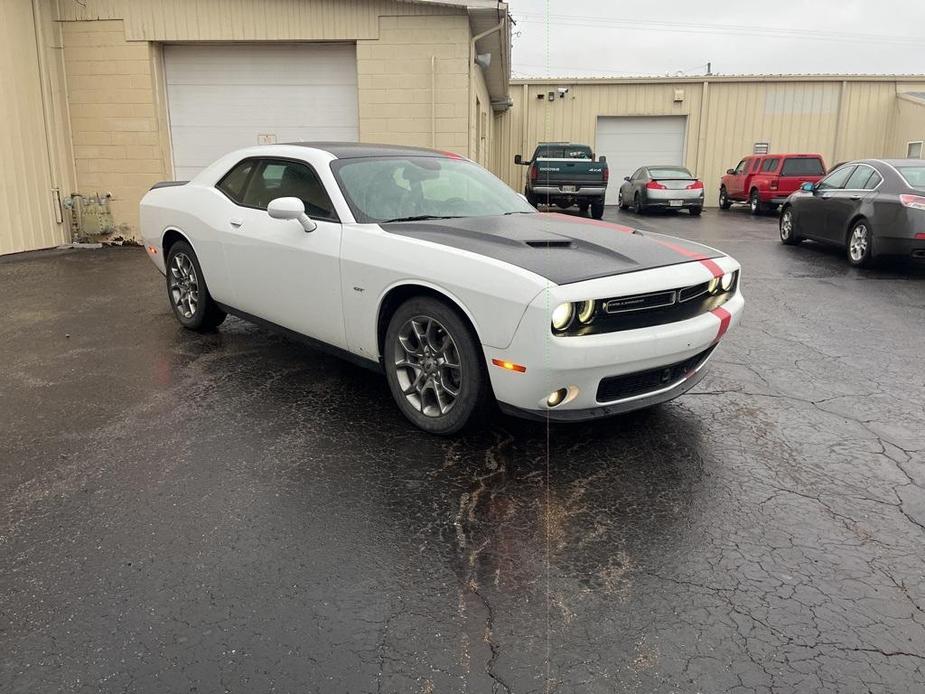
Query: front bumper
[[579, 364]]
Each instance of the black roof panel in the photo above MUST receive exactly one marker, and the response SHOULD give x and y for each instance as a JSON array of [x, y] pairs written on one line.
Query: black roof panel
[[358, 150]]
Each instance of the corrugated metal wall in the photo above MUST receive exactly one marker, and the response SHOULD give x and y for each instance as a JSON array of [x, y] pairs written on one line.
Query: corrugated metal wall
[[27, 213], [247, 20], [841, 119], [909, 126]]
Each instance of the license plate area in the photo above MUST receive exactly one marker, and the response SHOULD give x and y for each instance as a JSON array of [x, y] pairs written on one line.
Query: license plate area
[[569, 189], [675, 203]]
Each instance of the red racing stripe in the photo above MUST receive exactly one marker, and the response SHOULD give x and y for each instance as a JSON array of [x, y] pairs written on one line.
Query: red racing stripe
[[714, 269], [724, 319], [593, 222]]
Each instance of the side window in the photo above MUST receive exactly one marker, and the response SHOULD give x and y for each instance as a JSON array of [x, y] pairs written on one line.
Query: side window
[[756, 165], [859, 179], [770, 165], [740, 169], [233, 183], [838, 179], [875, 180], [289, 179]]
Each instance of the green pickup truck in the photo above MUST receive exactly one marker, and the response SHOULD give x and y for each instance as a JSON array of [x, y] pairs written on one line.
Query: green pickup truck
[[565, 174]]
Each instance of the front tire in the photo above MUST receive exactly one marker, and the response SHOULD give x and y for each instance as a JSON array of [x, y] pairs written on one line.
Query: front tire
[[435, 367], [597, 208], [187, 291], [724, 202], [860, 244], [621, 203], [788, 229]]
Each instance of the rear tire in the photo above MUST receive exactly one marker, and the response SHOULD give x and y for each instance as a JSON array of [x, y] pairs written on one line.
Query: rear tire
[[788, 229], [597, 208], [696, 211], [754, 203], [638, 207], [435, 367], [189, 297], [724, 202], [860, 244]]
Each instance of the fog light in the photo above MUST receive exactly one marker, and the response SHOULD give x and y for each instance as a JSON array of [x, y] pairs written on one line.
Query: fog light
[[562, 316], [555, 398], [727, 281]]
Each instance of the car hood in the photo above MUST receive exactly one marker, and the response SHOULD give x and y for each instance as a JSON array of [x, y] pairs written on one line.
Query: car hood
[[562, 248]]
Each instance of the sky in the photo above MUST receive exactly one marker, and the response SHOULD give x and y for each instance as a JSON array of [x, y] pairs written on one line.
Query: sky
[[613, 37]]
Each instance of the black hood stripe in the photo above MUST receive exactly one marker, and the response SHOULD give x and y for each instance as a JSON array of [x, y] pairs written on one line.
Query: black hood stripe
[[559, 247]]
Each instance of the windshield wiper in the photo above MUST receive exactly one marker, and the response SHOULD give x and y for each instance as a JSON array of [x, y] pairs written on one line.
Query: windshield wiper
[[419, 218], [519, 212]]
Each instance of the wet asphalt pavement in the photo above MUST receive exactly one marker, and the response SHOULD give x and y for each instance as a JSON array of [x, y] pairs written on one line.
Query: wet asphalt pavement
[[236, 512]]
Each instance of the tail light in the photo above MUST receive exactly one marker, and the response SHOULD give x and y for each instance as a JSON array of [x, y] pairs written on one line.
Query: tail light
[[696, 185], [915, 202], [606, 174], [534, 173], [655, 185], [775, 184]]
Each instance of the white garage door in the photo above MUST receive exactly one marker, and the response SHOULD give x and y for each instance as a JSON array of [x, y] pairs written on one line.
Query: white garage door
[[631, 142], [225, 97]]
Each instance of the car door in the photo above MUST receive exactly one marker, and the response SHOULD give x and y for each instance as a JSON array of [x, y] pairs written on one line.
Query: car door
[[280, 272], [844, 204], [736, 185], [814, 214]]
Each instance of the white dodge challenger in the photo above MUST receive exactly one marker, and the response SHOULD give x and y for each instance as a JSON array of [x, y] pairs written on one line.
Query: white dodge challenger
[[424, 265]]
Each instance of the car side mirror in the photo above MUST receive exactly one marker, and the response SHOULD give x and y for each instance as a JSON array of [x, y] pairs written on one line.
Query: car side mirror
[[730, 172], [808, 187], [519, 160], [291, 208], [626, 178]]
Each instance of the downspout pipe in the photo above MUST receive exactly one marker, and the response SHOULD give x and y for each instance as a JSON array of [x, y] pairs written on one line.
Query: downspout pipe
[[477, 37]]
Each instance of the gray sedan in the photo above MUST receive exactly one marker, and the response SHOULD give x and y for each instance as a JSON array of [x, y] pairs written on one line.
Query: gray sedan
[[870, 208], [670, 187]]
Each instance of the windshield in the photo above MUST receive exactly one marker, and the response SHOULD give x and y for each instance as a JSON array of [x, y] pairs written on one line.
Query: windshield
[[669, 172], [914, 175], [401, 188], [803, 166], [563, 152]]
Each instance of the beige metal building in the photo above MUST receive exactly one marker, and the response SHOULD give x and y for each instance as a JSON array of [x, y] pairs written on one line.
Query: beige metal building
[[709, 124], [110, 96]]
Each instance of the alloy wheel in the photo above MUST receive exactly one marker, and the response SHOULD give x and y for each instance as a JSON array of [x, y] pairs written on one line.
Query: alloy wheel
[[184, 285], [859, 243], [786, 225], [427, 366]]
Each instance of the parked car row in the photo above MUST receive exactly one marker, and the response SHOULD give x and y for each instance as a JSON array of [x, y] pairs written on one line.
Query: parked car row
[[870, 208]]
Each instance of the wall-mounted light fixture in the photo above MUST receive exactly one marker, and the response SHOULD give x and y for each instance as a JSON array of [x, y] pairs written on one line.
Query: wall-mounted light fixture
[[483, 60]]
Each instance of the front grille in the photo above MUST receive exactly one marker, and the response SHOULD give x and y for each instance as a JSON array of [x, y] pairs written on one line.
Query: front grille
[[629, 385], [646, 310]]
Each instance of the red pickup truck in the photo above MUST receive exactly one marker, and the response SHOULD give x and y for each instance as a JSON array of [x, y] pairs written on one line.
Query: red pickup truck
[[765, 181]]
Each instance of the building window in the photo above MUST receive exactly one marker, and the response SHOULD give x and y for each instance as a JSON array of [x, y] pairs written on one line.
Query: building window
[[914, 150]]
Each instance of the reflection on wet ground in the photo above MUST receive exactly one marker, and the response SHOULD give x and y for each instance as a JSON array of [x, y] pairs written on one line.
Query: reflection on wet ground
[[234, 510]]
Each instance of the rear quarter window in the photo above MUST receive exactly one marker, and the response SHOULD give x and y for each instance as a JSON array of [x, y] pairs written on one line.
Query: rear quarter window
[[770, 165], [802, 166]]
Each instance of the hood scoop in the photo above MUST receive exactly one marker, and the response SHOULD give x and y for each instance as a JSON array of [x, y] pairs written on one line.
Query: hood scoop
[[564, 243]]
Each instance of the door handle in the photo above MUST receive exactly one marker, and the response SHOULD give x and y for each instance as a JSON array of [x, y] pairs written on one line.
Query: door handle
[[855, 197], [236, 222]]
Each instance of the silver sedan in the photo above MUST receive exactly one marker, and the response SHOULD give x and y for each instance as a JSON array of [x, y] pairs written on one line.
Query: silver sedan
[[670, 187]]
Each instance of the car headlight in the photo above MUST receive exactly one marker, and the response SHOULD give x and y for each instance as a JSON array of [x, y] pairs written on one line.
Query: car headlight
[[585, 311], [713, 287], [727, 281], [562, 315]]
